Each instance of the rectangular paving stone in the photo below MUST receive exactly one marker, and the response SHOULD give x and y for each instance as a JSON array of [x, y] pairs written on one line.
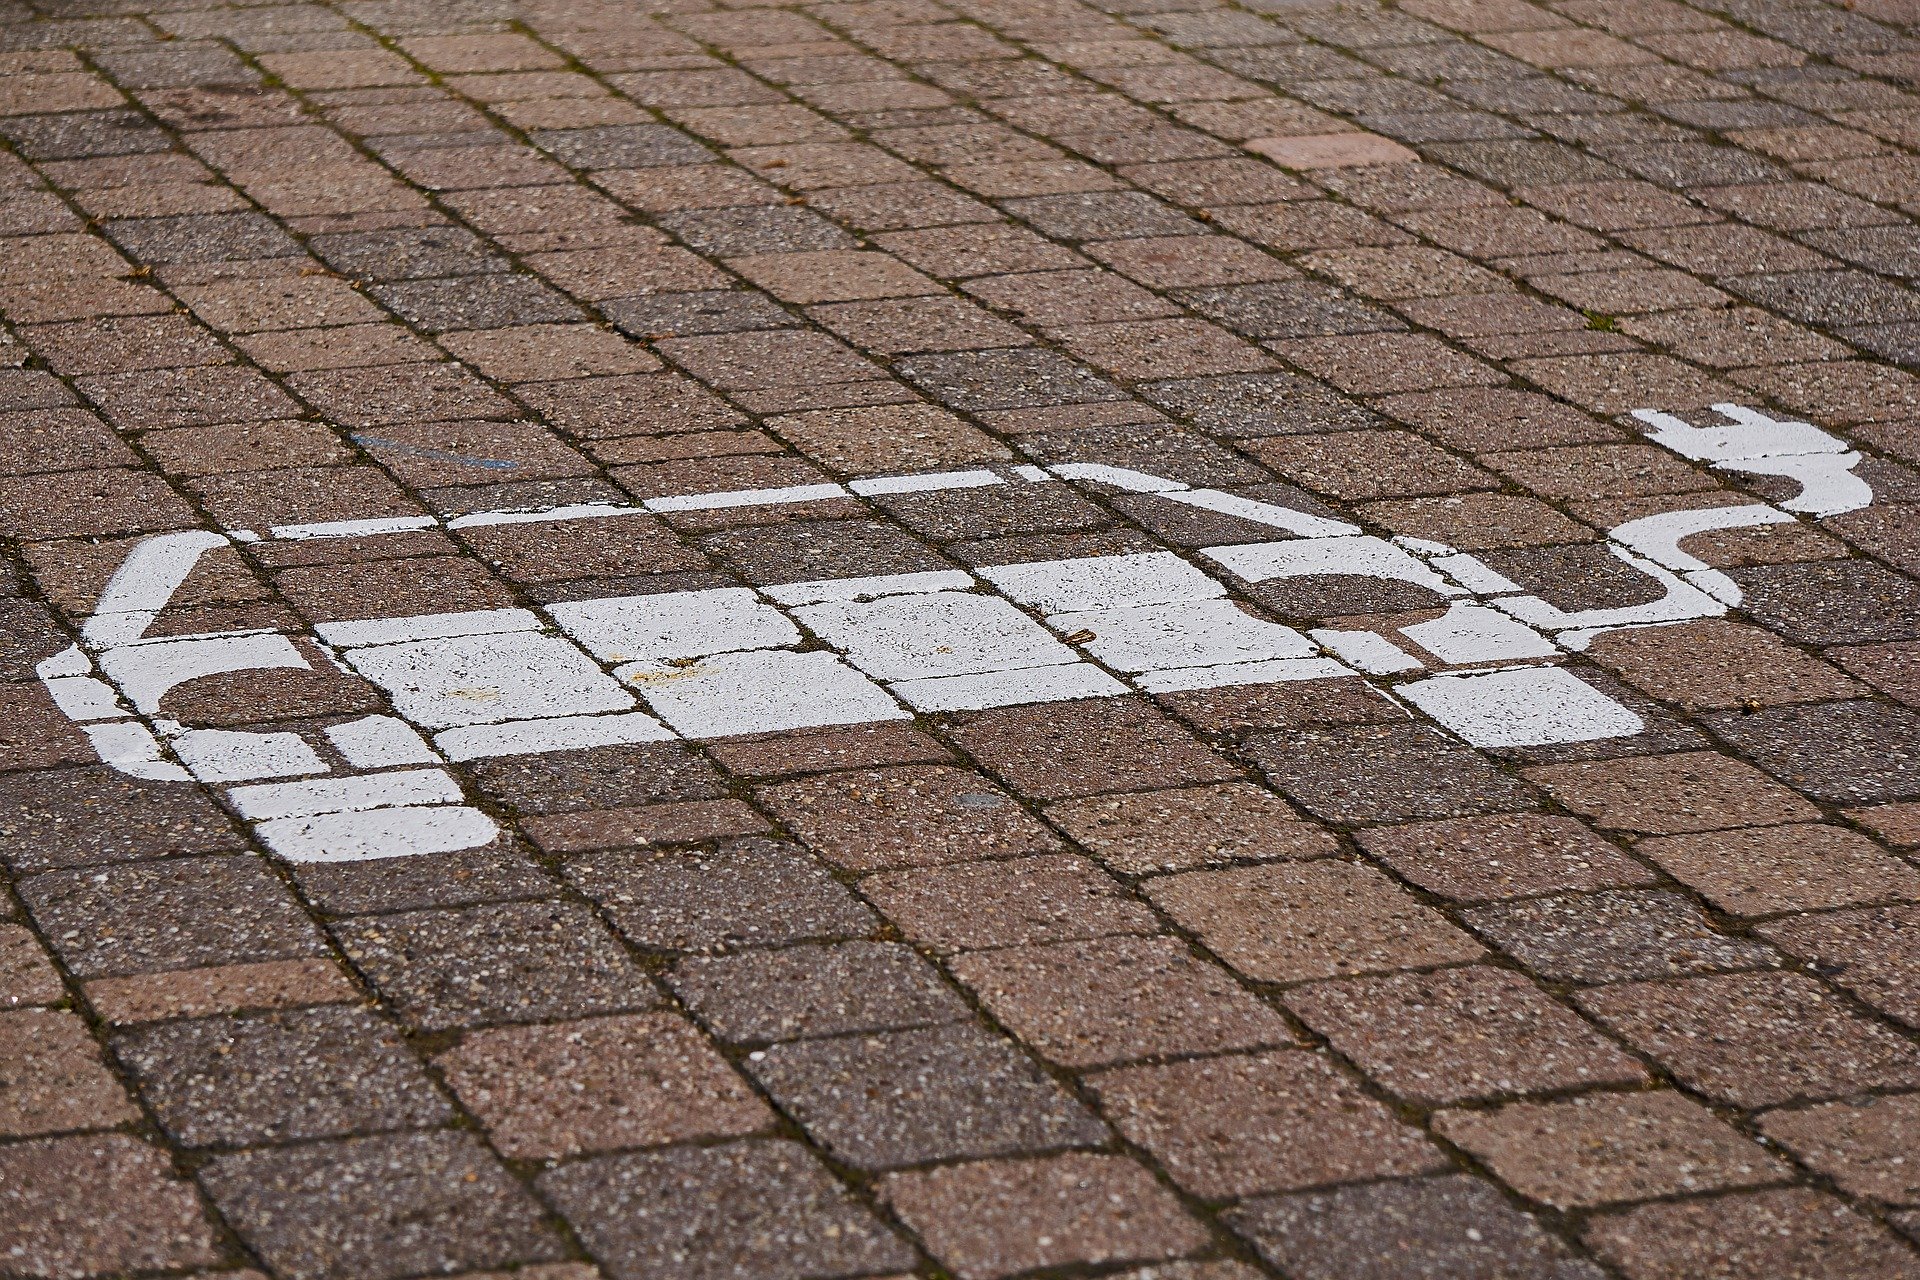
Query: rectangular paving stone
[[1385, 773], [1614, 936], [1000, 1218], [94, 1204], [1756, 1039], [1012, 902], [761, 1208], [1085, 748], [54, 1077], [911, 816], [1868, 952], [177, 913], [747, 893], [1456, 1034], [380, 1207], [1405, 1228], [508, 963], [881, 1101], [1111, 1000], [280, 1077], [806, 991], [1605, 1148], [190, 993], [1802, 867], [1291, 922], [1239, 1125], [1503, 856], [569, 1088], [1781, 1231], [1669, 795]]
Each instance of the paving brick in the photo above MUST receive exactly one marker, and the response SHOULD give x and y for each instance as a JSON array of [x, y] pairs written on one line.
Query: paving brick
[[910, 816], [808, 991], [1111, 1000], [1086, 748], [194, 993], [1861, 1144], [1427, 1227], [884, 1100], [1616, 936], [748, 893], [27, 976], [98, 1204], [280, 1077], [1014, 902], [1764, 870], [173, 914], [82, 817], [760, 1208], [1384, 773], [1845, 752], [604, 1084], [1178, 830], [1339, 918], [1668, 795], [1460, 1034], [1503, 856], [380, 1207], [54, 1078], [507, 963], [1792, 1231], [1868, 952], [1756, 1039], [1605, 1148], [1000, 1218], [1235, 1126]]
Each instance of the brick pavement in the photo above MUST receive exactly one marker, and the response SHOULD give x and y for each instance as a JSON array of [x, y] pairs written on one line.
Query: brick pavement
[[1112, 969]]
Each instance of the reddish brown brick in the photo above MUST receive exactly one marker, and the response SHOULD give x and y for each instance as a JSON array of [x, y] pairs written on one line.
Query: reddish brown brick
[[1235, 1126], [1608, 1147], [1461, 1034], [1292, 922], [1756, 1039], [573, 1087], [1000, 1218], [1117, 999]]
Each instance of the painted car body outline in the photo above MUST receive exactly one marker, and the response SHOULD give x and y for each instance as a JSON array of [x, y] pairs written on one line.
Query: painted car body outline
[[745, 659]]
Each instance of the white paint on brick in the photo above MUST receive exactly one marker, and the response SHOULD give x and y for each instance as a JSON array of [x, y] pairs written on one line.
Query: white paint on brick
[[1104, 582], [344, 795], [1281, 671], [1009, 688], [1473, 633], [379, 742], [1188, 633], [681, 624], [1362, 557], [888, 584], [1521, 707], [378, 833], [485, 679], [926, 482], [146, 669], [732, 661], [948, 633], [1366, 650], [761, 691], [558, 733], [234, 755], [746, 498], [426, 626]]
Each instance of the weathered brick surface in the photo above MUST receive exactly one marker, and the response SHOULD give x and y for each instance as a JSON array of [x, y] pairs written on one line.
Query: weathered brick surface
[[1267, 979]]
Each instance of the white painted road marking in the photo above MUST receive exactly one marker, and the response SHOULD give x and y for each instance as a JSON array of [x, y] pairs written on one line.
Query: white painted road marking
[[747, 660]]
